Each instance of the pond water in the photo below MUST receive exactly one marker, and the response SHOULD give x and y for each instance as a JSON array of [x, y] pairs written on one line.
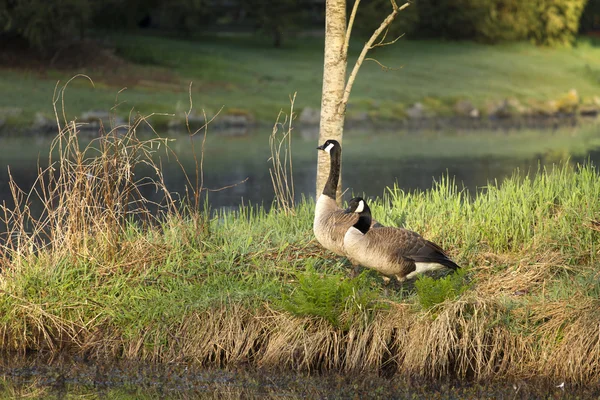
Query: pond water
[[61, 379], [371, 160]]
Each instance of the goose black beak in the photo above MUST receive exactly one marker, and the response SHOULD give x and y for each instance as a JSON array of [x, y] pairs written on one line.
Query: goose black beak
[[321, 147]]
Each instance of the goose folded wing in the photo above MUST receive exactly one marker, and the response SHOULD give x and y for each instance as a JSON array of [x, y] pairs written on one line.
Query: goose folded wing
[[432, 253]]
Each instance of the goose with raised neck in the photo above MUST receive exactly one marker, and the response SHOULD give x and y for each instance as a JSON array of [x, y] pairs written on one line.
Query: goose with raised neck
[[331, 222]]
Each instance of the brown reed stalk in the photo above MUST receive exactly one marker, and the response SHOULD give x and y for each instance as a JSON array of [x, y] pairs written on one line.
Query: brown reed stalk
[[281, 172], [87, 193]]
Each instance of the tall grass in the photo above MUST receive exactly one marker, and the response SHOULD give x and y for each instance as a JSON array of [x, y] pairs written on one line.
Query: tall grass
[[282, 176], [103, 274]]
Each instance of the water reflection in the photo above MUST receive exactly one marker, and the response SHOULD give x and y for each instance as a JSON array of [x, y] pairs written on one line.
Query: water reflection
[[372, 161], [27, 378]]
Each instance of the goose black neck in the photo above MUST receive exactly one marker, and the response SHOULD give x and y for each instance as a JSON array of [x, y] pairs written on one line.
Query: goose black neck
[[331, 185], [364, 222]]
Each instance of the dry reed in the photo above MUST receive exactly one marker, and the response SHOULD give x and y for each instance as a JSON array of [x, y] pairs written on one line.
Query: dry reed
[[281, 172], [504, 328]]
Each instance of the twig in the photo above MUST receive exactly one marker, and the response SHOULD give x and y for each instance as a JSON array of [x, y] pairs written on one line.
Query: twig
[[368, 46], [384, 67], [228, 186], [349, 29], [381, 43]]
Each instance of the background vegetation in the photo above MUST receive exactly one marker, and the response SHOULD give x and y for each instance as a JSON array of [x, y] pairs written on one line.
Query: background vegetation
[[549, 22], [248, 76]]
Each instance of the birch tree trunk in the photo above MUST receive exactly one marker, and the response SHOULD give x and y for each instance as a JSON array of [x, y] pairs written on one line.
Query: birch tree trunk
[[333, 109], [336, 91]]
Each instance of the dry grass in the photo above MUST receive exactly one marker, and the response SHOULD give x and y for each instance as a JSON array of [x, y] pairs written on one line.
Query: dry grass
[[85, 278], [281, 172], [466, 339]]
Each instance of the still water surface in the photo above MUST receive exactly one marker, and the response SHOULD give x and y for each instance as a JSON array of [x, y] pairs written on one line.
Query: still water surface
[[68, 379], [372, 161]]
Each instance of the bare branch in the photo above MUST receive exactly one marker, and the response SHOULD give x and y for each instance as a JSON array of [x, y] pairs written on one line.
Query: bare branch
[[368, 46], [349, 29], [381, 43], [227, 187], [383, 37], [384, 67]]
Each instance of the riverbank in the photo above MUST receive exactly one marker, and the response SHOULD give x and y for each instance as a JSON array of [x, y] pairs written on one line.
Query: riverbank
[[427, 81], [31, 377], [251, 288]]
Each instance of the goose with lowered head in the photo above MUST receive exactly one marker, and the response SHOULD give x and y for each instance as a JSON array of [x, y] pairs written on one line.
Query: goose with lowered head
[[390, 251], [331, 222]]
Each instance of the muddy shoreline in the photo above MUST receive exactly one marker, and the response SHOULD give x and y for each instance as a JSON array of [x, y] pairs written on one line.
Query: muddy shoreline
[[37, 376], [242, 127]]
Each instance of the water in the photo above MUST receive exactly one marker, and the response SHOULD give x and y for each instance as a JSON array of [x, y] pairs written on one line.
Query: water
[[371, 161], [25, 377]]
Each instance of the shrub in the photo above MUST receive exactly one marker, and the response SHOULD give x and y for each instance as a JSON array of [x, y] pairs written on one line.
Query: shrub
[[556, 22], [44, 23], [546, 22], [501, 20]]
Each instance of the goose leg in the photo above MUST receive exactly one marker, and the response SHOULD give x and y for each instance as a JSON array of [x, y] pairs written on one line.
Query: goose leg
[[355, 269]]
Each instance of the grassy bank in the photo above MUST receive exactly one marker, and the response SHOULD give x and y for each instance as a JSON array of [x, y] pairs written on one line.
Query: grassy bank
[[247, 76], [254, 288]]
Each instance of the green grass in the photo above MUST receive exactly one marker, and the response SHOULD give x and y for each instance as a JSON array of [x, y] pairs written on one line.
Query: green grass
[[534, 233], [245, 73], [250, 287]]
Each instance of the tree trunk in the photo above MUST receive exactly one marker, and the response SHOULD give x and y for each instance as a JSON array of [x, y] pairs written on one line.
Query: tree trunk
[[334, 78]]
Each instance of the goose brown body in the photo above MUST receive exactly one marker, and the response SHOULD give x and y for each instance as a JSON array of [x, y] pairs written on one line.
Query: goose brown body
[[391, 251], [331, 222]]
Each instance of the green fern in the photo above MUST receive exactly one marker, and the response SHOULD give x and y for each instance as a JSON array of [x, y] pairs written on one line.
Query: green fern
[[331, 297], [432, 291]]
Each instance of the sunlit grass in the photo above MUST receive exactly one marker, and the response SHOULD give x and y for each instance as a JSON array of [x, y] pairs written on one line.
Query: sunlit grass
[[246, 73], [107, 273], [534, 234]]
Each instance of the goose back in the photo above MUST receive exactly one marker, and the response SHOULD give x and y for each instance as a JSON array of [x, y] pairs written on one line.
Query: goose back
[[392, 251]]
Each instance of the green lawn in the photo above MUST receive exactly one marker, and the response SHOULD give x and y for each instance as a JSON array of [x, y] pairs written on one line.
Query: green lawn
[[246, 74]]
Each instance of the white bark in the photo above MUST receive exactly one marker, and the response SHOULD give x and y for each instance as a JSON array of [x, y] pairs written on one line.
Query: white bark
[[336, 91], [334, 78]]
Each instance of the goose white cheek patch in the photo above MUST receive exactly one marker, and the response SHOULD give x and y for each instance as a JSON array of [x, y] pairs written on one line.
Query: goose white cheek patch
[[329, 147], [361, 207]]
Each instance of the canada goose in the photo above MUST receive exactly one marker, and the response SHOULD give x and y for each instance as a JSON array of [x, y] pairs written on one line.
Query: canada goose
[[391, 251], [331, 222]]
